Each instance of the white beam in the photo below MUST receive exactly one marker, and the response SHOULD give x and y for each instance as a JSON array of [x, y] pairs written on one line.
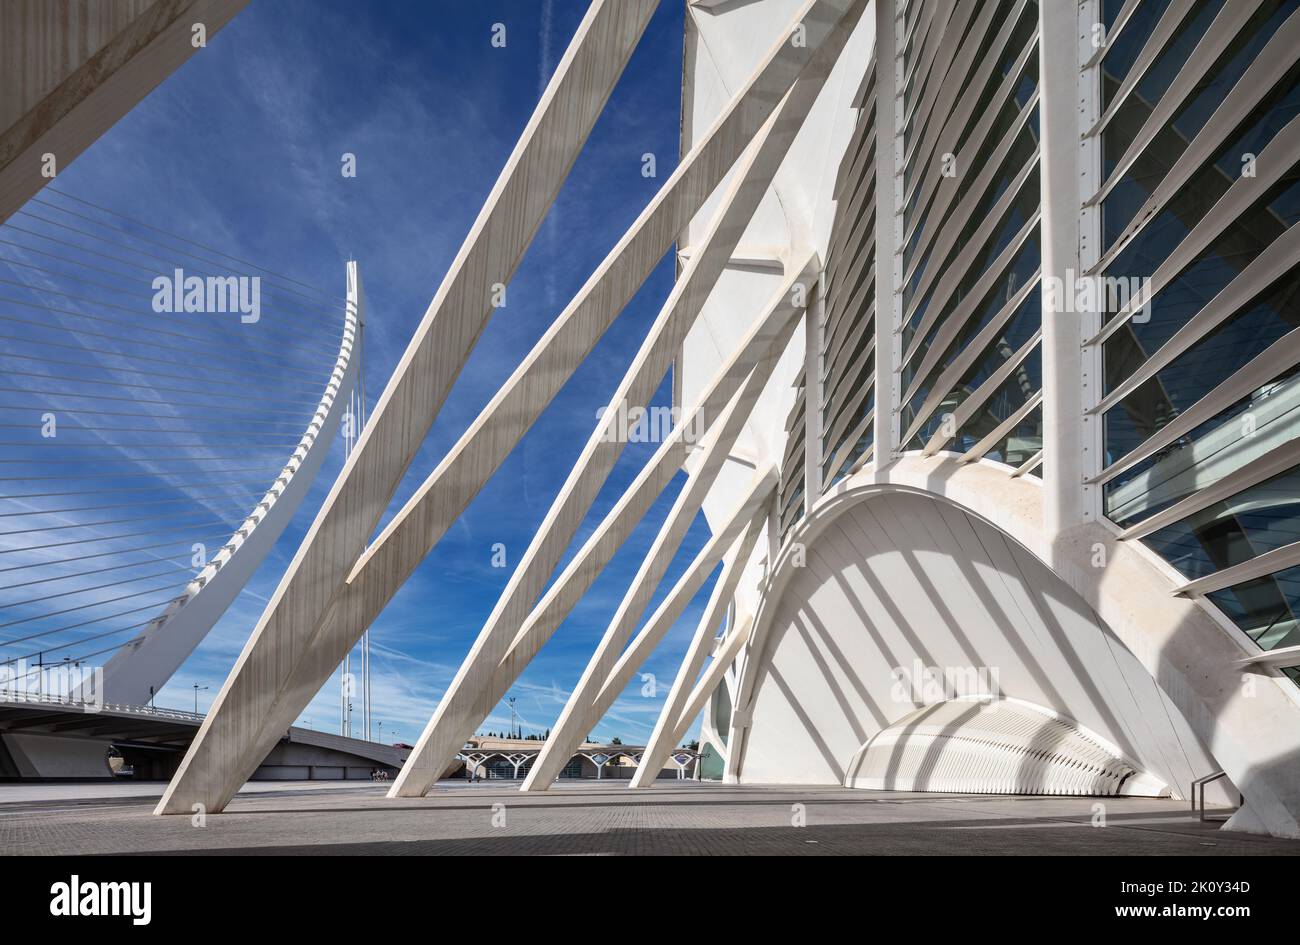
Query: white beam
[[661, 742], [469, 698], [385, 566], [287, 659], [587, 703], [1272, 463], [448, 490], [1280, 658], [768, 335], [703, 689], [1065, 433], [1270, 562], [889, 224]]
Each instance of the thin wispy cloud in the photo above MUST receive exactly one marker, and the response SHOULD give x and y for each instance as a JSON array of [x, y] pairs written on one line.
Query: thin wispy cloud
[[242, 148]]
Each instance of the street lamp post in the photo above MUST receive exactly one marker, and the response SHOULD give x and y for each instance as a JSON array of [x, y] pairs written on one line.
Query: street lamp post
[[197, 690], [381, 732]]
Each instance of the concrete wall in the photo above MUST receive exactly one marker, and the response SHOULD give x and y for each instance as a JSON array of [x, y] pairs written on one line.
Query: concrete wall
[[50, 756], [72, 68]]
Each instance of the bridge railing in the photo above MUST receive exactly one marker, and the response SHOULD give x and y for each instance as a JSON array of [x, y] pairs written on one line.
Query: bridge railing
[[90, 705]]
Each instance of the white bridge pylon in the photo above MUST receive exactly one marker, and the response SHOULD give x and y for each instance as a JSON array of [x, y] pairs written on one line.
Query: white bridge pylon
[[335, 586]]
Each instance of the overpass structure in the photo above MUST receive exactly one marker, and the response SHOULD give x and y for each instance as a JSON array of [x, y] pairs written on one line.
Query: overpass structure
[[988, 310], [62, 739]]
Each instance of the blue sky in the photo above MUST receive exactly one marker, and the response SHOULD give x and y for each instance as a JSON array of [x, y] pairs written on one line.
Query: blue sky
[[241, 150]]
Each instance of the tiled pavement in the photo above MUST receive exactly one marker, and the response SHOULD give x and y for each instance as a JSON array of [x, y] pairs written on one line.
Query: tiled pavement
[[686, 818]]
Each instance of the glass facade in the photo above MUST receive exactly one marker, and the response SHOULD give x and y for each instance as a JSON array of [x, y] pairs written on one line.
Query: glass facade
[[971, 314], [790, 497], [1199, 200], [848, 332], [1194, 154]]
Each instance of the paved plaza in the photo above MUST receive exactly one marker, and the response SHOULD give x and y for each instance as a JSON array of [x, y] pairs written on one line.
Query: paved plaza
[[588, 818]]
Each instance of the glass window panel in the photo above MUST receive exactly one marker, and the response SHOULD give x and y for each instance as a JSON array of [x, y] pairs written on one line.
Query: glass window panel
[[1264, 608], [1241, 527], [837, 385], [1146, 95], [1022, 151], [1006, 118], [1215, 85], [1120, 57], [913, 132], [1216, 266], [1019, 329], [1025, 29], [1022, 208], [1009, 397], [863, 378], [1110, 10], [1200, 369], [864, 440], [859, 450], [1018, 446], [1023, 266], [1014, 449], [1203, 189], [1249, 428]]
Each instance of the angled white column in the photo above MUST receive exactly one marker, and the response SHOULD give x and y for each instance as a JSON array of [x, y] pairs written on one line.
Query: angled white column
[[287, 659], [599, 693], [443, 497], [722, 659], [600, 687], [661, 743], [766, 336], [466, 701], [584, 708]]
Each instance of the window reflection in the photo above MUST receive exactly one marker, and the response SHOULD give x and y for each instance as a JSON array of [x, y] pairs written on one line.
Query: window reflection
[[1169, 144], [1264, 608], [1228, 533], [1223, 444]]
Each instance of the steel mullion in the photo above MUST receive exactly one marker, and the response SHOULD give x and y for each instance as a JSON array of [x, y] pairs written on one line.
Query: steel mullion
[[1170, 20], [981, 394], [1278, 357], [1277, 158], [1232, 18]]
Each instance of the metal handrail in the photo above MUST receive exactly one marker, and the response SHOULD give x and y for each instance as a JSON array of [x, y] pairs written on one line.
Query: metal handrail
[[52, 699], [1198, 788]]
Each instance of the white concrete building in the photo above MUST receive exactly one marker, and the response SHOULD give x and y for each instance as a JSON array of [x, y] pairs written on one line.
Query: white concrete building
[[1059, 561], [988, 309]]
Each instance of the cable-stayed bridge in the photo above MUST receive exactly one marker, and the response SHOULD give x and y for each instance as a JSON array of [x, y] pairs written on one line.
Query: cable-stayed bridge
[[164, 407]]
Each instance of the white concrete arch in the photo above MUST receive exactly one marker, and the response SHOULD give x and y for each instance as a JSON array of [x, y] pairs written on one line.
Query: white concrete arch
[[937, 563], [987, 745]]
